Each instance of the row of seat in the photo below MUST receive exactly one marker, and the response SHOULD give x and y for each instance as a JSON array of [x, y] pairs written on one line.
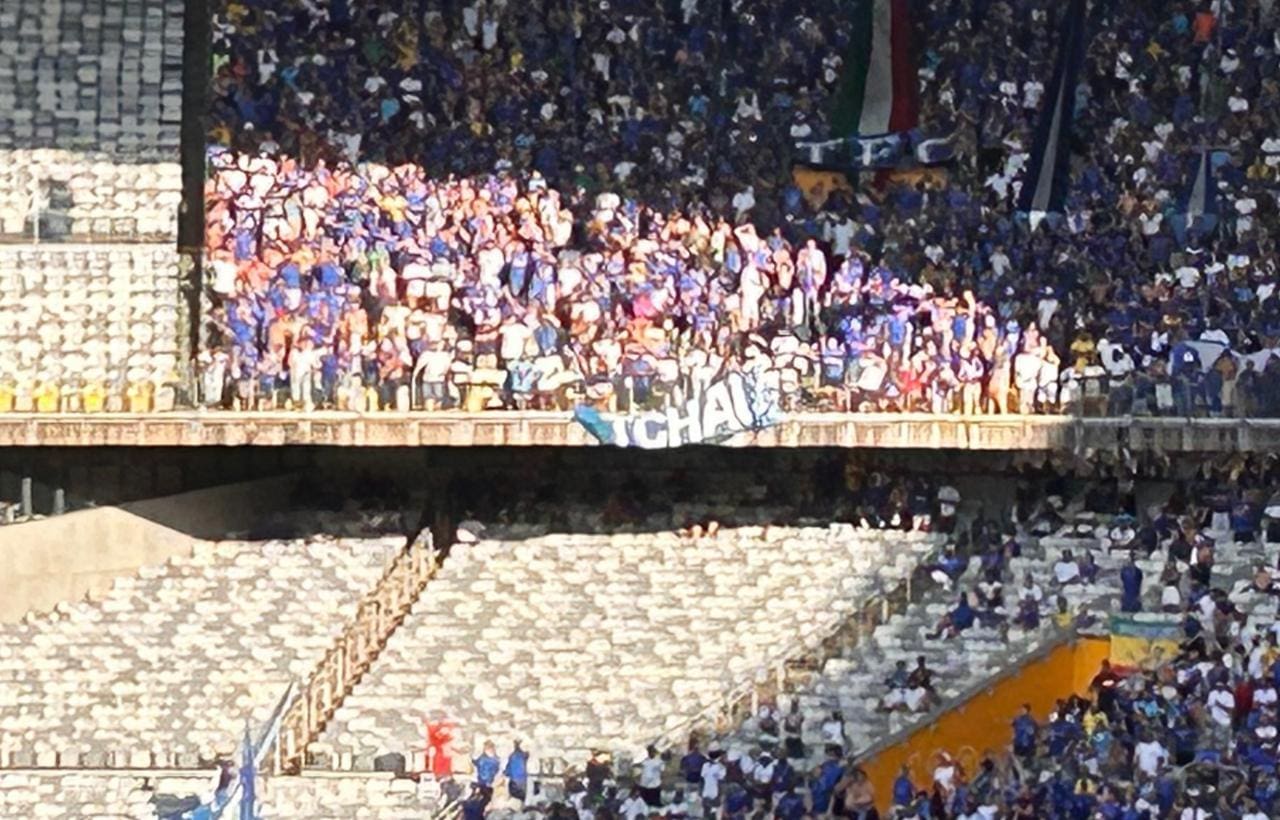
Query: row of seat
[[55, 194], [55, 794]]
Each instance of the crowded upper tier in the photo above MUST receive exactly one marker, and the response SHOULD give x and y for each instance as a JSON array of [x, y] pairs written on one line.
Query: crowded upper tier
[[536, 205]]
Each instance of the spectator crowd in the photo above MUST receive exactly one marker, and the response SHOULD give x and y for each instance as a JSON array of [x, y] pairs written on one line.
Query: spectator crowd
[[482, 204]]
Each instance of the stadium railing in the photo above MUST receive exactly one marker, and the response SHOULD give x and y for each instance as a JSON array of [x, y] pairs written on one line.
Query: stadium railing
[[377, 616]]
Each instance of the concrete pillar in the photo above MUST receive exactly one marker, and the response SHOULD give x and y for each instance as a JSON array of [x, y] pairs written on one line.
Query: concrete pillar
[[59, 501], [26, 496]]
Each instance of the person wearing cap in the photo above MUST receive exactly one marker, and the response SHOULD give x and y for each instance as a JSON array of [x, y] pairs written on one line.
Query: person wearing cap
[[760, 779]]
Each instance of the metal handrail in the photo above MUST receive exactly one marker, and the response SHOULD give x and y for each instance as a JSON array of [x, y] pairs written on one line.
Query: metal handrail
[[377, 616]]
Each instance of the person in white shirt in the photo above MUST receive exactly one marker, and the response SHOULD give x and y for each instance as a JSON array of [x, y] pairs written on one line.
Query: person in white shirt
[[944, 774], [1030, 590], [634, 807], [682, 806], [1150, 755], [1264, 693], [762, 777], [650, 780], [1251, 811], [840, 234], [1066, 570], [1222, 707], [713, 773], [1253, 666], [833, 730]]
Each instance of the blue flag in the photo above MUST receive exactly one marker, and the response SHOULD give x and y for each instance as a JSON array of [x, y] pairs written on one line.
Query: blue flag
[[1044, 188], [248, 778]]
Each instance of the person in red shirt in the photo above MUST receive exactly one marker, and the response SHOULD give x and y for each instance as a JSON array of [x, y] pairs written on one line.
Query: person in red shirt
[[1203, 24], [1244, 702], [439, 756]]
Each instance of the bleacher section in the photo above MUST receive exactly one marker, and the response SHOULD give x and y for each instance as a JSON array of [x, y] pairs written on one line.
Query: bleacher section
[[168, 666], [81, 324], [854, 682], [574, 642], [92, 75], [90, 111]]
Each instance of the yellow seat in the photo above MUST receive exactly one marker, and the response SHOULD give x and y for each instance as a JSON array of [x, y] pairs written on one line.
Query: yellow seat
[[46, 397], [139, 396], [7, 396], [93, 397]]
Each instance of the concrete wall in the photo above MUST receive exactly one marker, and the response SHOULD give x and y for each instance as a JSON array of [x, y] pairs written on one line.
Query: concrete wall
[[82, 553]]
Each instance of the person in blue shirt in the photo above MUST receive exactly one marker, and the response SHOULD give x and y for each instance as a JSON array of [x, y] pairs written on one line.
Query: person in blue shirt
[[487, 766], [825, 778], [691, 766], [957, 620], [903, 789], [1025, 732], [1131, 582], [790, 806], [473, 807], [737, 802], [517, 773]]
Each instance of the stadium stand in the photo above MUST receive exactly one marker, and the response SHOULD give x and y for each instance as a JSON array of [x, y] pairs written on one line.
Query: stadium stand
[[89, 119], [875, 702], [686, 620], [92, 76], [90, 109], [1104, 301], [166, 668], [87, 323], [85, 196], [366, 796]]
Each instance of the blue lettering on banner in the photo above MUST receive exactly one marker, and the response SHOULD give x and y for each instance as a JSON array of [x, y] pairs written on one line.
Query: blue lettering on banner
[[732, 404]]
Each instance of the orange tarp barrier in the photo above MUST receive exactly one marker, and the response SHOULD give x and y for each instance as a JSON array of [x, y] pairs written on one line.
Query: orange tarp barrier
[[984, 722]]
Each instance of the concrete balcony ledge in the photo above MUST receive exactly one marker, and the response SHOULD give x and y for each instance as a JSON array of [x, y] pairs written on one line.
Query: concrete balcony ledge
[[543, 429]]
